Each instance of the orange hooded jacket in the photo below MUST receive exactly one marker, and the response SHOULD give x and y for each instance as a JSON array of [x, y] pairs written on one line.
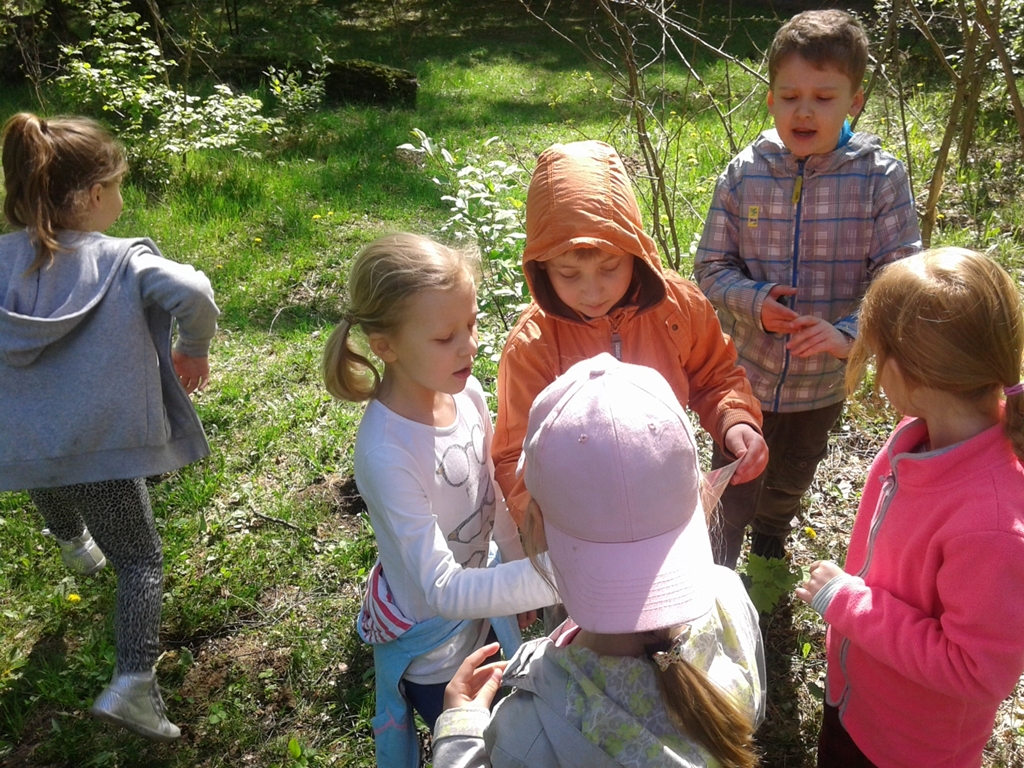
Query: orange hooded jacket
[[581, 197]]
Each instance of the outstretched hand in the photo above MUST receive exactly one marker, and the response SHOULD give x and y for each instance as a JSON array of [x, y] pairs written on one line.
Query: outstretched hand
[[193, 372], [821, 573], [473, 685]]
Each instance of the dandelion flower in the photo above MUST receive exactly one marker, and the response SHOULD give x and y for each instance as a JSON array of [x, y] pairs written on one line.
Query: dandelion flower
[[811, 533], [74, 598]]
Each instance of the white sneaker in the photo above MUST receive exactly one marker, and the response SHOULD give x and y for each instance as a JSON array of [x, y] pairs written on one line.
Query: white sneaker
[[81, 554], [133, 701]]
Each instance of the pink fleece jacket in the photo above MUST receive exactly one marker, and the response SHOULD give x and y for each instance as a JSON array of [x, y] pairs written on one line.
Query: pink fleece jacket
[[926, 633]]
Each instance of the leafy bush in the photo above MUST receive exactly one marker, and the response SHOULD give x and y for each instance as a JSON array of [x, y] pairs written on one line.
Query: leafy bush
[[487, 206], [297, 94], [121, 74]]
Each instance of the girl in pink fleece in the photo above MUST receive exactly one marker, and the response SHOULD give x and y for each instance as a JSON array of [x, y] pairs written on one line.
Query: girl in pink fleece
[[926, 622]]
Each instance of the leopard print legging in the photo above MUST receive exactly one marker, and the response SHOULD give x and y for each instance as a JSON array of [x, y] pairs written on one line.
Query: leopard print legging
[[120, 519]]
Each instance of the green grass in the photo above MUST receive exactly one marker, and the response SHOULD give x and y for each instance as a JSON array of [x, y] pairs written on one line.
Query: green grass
[[265, 548]]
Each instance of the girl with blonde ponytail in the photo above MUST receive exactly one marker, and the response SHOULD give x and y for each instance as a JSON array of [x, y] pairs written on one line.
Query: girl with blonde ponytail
[[926, 624], [423, 466], [660, 662]]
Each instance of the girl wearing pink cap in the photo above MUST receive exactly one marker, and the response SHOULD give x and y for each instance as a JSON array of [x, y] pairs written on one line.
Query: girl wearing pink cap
[[661, 659], [926, 621]]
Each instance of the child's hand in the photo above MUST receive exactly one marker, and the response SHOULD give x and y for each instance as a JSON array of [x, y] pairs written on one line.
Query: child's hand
[[193, 372], [746, 444], [777, 317], [816, 335], [473, 687], [526, 618], [822, 572]]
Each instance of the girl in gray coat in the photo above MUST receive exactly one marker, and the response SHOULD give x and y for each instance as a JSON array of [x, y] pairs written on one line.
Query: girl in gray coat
[[661, 661], [95, 400]]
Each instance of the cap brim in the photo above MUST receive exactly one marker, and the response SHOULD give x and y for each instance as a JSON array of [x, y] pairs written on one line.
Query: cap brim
[[613, 588]]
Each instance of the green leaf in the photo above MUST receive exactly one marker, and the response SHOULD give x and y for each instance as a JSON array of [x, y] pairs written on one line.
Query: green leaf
[[294, 748], [771, 579]]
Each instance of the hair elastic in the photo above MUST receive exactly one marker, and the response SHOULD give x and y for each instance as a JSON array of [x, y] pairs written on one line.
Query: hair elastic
[[673, 651], [1016, 389]]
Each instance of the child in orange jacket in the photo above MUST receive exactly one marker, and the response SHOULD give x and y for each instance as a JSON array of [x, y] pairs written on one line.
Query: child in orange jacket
[[598, 286]]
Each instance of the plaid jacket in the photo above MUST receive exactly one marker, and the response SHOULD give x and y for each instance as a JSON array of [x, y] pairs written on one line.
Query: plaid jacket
[[850, 214]]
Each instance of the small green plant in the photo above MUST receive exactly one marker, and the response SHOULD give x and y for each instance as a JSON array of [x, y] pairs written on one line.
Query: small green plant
[[299, 753], [297, 94], [771, 580]]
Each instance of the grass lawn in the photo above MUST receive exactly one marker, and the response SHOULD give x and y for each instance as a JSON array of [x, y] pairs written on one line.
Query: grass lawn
[[266, 544]]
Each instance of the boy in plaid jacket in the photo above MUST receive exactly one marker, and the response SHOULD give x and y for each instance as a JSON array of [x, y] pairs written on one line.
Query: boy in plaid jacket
[[801, 221]]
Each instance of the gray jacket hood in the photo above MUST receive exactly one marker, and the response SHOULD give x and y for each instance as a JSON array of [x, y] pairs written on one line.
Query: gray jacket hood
[[34, 313]]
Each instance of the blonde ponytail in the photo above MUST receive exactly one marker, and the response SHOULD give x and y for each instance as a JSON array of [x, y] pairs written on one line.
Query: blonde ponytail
[[707, 714], [348, 374]]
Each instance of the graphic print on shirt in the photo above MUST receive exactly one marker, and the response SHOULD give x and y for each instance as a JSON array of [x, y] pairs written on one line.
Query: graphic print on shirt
[[464, 466]]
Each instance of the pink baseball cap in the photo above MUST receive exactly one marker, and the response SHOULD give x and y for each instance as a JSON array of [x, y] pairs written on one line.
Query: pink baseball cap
[[610, 459]]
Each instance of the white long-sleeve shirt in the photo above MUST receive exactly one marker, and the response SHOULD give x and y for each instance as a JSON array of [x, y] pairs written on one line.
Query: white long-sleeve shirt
[[434, 507]]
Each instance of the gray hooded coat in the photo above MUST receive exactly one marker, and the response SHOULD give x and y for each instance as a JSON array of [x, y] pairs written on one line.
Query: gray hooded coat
[[87, 388]]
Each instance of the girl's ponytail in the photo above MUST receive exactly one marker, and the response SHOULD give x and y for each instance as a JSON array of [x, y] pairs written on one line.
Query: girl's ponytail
[[348, 374], [706, 713], [49, 168], [27, 159]]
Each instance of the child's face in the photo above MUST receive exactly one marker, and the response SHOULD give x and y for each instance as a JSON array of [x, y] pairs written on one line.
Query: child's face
[[433, 349], [810, 104], [590, 281]]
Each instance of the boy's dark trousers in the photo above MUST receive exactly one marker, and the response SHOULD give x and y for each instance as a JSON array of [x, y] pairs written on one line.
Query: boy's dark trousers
[[797, 442]]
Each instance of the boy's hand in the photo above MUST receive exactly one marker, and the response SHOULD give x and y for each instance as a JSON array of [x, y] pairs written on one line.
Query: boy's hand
[[814, 335], [193, 372], [777, 317], [473, 686], [746, 444], [822, 572]]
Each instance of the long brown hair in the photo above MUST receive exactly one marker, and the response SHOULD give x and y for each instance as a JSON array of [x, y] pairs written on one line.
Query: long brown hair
[[695, 704], [49, 168], [951, 319], [384, 275]]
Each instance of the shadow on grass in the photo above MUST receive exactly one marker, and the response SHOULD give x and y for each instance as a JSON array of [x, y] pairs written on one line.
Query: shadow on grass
[[24, 720]]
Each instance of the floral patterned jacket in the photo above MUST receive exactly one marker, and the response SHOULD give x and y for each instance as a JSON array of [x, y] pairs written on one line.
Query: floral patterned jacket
[[572, 707]]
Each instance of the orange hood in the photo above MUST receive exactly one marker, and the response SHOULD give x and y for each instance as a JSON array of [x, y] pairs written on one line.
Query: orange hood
[[580, 196]]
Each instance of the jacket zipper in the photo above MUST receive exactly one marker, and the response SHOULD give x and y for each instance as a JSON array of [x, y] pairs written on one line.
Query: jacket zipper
[[797, 200]]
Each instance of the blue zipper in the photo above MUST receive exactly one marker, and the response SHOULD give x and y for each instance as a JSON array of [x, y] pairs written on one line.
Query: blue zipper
[[798, 199]]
